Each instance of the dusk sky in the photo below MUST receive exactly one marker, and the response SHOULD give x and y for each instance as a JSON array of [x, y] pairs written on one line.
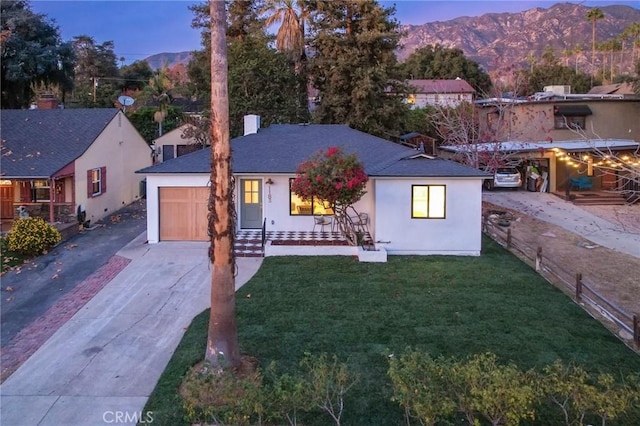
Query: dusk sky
[[142, 28]]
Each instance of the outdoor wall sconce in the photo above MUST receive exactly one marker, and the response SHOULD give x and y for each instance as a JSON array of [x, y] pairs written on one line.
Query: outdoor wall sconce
[[269, 182]]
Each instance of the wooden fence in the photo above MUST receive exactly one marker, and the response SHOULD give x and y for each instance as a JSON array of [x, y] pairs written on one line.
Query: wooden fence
[[573, 281]]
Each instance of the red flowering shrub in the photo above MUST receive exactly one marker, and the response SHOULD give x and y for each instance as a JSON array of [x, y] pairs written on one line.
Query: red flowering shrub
[[332, 176]]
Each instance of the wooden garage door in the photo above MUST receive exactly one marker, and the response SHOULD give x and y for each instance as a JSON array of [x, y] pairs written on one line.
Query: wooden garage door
[[183, 214]]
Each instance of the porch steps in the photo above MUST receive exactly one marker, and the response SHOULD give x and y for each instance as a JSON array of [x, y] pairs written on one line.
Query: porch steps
[[598, 199]]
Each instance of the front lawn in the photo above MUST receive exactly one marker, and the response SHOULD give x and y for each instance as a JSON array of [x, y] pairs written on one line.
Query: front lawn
[[451, 306], [9, 259]]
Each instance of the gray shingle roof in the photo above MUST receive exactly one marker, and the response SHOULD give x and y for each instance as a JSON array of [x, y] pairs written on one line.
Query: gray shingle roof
[[38, 143], [280, 148]]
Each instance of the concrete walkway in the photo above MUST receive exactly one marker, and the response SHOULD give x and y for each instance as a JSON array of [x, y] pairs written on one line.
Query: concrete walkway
[[550, 208], [101, 366]]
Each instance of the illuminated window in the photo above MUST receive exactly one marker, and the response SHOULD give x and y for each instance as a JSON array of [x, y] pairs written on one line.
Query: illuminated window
[[428, 201], [251, 192], [41, 190], [300, 207], [96, 182]]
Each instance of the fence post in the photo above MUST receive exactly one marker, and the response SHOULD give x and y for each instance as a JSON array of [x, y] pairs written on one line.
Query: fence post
[[636, 330], [509, 238], [484, 223], [539, 259], [579, 286]]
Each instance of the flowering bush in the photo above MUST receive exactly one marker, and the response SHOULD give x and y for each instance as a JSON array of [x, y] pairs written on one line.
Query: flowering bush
[[32, 236], [332, 176]]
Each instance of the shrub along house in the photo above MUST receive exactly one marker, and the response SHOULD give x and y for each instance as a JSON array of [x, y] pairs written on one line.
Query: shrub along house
[[414, 204], [56, 160]]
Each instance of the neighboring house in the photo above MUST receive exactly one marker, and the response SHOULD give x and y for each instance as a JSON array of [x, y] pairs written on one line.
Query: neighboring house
[[534, 130], [559, 117], [442, 93], [172, 145], [415, 204], [55, 161], [625, 89], [553, 162]]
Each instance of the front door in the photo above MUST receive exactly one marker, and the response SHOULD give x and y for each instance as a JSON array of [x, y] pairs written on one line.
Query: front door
[[251, 203], [6, 201]]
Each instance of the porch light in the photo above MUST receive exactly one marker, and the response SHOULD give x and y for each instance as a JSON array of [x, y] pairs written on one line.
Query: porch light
[[269, 182]]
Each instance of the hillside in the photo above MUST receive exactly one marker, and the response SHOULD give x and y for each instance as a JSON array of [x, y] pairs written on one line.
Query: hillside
[[497, 40], [158, 60], [500, 40]]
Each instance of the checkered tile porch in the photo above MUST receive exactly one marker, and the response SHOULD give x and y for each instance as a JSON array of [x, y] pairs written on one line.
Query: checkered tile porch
[[248, 243]]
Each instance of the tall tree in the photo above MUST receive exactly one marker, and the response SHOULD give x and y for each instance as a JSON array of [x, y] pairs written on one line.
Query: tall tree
[[222, 340], [544, 75], [290, 39], [136, 76], [97, 74], [632, 32], [32, 55], [159, 89], [261, 80], [594, 15], [439, 62], [354, 66]]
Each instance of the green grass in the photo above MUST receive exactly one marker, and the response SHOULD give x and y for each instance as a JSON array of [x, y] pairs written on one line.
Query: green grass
[[451, 306], [9, 259]]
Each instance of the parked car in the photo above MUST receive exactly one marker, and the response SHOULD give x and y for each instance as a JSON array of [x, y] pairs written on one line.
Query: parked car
[[504, 177]]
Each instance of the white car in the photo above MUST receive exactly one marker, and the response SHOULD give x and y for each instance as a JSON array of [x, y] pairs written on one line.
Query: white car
[[504, 177]]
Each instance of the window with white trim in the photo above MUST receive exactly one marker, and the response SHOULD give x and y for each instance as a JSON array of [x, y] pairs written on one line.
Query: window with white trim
[[96, 182], [428, 201]]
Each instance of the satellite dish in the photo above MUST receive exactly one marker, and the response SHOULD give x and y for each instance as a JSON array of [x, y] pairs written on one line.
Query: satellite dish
[[126, 100]]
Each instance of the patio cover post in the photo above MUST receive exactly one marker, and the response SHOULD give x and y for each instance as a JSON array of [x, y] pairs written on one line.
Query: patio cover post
[[52, 195]]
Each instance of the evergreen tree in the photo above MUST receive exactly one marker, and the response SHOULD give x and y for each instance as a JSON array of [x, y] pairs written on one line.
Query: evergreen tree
[[438, 62], [32, 54], [354, 66], [553, 74], [135, 76], [97, 75]]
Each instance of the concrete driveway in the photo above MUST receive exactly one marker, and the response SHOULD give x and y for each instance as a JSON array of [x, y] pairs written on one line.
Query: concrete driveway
[[573, 218], [105, 361]]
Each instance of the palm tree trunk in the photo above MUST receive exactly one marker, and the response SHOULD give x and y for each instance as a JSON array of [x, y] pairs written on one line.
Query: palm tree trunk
[[222, 341]]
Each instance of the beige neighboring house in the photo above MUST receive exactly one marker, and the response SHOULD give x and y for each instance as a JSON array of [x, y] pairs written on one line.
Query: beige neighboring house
[[58, 161], [443, 93], [546, 129], [172, 145], [566, 117]]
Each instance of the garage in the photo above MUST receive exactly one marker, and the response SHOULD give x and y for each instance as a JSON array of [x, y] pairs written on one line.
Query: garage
[[183, 213]]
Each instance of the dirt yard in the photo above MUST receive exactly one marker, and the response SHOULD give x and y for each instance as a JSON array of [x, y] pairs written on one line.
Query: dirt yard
[[614, 275]]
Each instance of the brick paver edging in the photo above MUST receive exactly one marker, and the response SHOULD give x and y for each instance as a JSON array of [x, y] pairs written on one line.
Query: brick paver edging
[[29, 339]]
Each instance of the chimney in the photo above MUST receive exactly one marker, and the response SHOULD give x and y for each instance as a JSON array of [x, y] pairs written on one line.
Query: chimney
[[47, 101], [251, 124]]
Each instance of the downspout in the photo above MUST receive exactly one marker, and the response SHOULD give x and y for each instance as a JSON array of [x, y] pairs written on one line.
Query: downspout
[[52, 197]]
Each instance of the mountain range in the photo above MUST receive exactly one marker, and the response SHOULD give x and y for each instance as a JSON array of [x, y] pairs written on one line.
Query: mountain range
[[498, 41]]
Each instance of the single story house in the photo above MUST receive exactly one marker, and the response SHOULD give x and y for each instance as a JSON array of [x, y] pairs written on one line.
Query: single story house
[[55, 161], [415, 204], [172, 144]]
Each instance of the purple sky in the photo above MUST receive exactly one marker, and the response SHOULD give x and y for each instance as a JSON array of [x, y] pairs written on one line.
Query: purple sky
[[142, 28]]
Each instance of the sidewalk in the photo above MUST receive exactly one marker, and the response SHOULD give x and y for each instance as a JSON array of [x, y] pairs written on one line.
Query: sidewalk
[[102, 365], [549, 208]]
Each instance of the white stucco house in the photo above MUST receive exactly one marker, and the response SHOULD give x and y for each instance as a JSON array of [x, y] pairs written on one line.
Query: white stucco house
[[415, 204]]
